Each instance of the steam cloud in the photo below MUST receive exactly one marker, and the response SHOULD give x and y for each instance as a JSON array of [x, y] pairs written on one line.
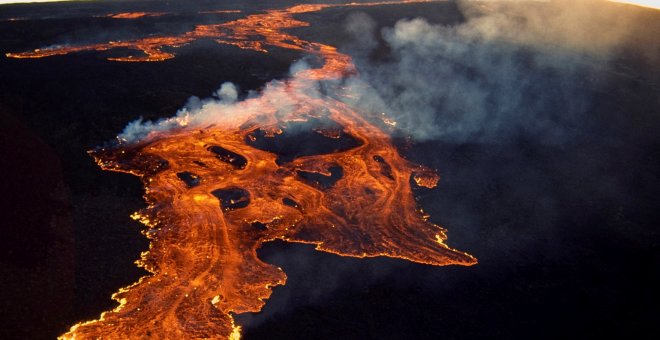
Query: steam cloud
[[224, 107], [508, 70]]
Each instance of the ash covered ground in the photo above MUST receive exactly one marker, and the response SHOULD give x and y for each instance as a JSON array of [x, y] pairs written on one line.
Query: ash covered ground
[[546, 141]]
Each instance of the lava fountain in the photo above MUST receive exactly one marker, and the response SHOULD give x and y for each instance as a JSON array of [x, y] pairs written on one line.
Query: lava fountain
[[219, 186]]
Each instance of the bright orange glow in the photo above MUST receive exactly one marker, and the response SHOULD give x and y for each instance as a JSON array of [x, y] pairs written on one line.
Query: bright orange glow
[[221, 11], [135, 15], [643, 3], [252, 32], [202, 253]]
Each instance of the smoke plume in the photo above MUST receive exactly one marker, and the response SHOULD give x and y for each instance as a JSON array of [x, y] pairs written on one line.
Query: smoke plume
[[509, 70], [224, 107]]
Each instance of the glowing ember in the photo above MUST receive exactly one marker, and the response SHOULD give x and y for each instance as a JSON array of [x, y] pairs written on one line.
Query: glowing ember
[[217, 193]]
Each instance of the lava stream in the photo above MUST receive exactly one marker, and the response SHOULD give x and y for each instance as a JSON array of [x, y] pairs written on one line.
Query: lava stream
[[217, 192]]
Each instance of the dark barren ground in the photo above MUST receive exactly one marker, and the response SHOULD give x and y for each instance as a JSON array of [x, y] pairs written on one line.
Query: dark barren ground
[[567, 236]]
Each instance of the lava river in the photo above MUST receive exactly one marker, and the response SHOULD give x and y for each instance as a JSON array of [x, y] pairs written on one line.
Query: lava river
[[217, 191]]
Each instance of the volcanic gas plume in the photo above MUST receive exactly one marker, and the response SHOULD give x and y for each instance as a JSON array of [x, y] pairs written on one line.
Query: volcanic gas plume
[[223, 180]]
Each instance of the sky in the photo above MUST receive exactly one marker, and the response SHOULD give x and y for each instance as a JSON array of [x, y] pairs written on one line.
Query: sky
[[645, 3]]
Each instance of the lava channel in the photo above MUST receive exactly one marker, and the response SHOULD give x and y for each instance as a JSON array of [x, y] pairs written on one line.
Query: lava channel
[[216, 192]]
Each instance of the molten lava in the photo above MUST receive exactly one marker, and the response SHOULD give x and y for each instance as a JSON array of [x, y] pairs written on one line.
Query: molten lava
[[135, 15], [251, 32], [217, 192]]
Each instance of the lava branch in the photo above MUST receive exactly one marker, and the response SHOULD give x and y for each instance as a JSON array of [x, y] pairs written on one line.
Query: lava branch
[[217, 192], [254, 32]]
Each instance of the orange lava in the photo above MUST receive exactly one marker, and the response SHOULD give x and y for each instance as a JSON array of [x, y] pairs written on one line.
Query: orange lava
[[135, 15], [221, 11], [253, 32], [214, 197]]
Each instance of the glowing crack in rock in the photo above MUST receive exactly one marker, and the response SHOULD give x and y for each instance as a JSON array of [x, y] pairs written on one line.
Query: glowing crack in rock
[[216, 192]]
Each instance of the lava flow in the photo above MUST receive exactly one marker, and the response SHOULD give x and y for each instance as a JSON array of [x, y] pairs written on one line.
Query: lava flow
[[221, 182], [251, 32], [134, 15]]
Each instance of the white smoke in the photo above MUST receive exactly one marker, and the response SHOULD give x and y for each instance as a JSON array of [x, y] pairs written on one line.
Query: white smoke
[[509, 70], [224, 108], [228, 93]]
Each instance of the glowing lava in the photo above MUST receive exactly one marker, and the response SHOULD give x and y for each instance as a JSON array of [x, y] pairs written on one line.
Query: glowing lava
[[217, 192], [135, 15], [252, 32]]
